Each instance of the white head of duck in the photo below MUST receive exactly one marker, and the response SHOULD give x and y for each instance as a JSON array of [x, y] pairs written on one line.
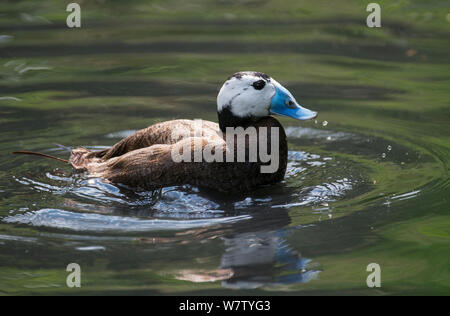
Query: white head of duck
[[249, 95]]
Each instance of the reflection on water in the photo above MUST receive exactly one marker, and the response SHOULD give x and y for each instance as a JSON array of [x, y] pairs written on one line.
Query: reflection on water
[[258, 258]]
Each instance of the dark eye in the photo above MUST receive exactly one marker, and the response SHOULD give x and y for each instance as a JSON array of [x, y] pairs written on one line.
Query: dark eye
[[258, 85]]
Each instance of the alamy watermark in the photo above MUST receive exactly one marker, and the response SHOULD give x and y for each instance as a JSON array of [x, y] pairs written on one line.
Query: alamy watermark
[[374, 18], [74, 18], [374, 278], [74, 278], [238, 145]]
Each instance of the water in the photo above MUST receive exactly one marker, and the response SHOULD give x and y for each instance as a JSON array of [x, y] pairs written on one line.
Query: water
[[366, 182]]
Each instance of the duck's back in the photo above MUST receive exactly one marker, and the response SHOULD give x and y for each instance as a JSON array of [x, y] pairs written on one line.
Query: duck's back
[[164, 133]]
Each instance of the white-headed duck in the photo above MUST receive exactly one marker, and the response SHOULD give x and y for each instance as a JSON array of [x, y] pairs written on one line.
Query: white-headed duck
[[146, 160]]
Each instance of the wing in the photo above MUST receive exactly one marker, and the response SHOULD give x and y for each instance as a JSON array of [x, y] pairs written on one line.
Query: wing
[[151, 167], [167, 133]]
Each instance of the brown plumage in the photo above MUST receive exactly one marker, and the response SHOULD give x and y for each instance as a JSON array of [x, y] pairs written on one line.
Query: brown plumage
[[143, 160]]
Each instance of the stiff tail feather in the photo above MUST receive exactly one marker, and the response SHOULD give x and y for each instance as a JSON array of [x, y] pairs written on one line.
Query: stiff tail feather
[[25, 152]]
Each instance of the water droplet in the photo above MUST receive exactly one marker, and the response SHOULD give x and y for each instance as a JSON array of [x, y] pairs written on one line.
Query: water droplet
[[324, 123], [389, 147], [329, 138], [383, 155]]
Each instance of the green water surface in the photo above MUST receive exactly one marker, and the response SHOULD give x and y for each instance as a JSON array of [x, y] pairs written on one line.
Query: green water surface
[[367, 181]]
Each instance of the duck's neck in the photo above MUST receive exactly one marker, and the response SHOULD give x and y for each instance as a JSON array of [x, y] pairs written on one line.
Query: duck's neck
[[228, 119], [276, 144]]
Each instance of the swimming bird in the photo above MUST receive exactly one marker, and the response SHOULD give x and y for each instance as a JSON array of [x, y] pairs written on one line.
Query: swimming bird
[[213, 155]]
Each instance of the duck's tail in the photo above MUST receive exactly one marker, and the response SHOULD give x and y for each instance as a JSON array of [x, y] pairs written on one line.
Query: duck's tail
[[25, 152]]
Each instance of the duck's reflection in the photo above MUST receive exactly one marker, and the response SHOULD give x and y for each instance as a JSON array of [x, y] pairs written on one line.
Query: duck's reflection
[[257, 258], [263, 258], [257, 252]]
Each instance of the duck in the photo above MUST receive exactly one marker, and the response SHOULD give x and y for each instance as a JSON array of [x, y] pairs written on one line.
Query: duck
[[150, 158]]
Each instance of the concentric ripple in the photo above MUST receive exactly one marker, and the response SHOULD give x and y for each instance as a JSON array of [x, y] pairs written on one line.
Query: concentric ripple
[[94, 205]]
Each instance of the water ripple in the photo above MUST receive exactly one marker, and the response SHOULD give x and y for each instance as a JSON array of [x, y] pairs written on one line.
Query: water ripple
[[314, 133], [89, 222]]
